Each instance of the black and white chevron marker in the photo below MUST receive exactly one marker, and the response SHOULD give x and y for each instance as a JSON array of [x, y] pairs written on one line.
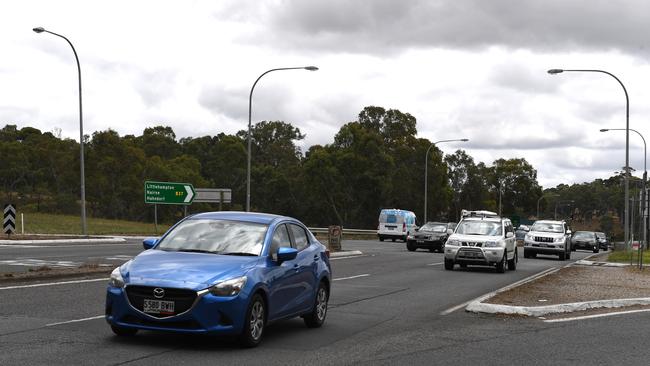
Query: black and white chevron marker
[[9, 219]]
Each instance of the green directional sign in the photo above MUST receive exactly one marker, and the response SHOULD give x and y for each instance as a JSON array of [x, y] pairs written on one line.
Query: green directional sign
[[168, 193]]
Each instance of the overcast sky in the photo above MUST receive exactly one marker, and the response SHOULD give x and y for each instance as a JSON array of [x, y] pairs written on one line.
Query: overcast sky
[[464, 68]]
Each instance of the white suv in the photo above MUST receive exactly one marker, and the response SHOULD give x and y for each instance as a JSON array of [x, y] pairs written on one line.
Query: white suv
[[548, 237], [482, 238]]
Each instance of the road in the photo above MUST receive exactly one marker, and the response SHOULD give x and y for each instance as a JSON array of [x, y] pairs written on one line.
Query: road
[[388, 306]]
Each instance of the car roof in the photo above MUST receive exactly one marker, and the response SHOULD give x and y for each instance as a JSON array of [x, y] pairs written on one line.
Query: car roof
[[488, 218], [550, 221], [256, 217]]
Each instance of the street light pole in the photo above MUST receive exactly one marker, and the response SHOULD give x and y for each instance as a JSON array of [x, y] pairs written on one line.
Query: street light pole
[[250, 106], [426, 164], [539, 199], [627, 144], [644, 204], [81, 133]]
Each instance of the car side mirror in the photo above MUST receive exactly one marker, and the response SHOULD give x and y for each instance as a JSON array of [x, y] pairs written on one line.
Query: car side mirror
[[568, 232], [286, 254], [450, 231], [509, 234], [149, 243]]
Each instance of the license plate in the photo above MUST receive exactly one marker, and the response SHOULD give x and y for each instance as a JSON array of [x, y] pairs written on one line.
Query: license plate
[[158, 306], [390, 228]]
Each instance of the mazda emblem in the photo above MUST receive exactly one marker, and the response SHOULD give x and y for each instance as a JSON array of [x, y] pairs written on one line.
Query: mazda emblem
[[158, 293]]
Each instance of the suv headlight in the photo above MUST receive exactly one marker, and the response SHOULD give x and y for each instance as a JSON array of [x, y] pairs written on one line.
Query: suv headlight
[[529, 237], [230, 287], [116, 279], [559, 239], [492, 244], [453, 242]]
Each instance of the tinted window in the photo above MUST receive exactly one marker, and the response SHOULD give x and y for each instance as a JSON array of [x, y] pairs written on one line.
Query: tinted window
[[299, 237], [280, 239]]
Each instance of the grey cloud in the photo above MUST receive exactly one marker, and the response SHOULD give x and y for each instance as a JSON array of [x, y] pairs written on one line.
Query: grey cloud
[[388, 26]]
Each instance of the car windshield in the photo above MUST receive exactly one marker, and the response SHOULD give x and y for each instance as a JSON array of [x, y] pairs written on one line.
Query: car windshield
[[471, 227], [547, 227], [215, 236], [600, 235], [583, 235], [436, 228]]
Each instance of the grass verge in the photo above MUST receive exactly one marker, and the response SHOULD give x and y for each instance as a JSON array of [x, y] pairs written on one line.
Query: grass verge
[[40, 223], [625, 256]]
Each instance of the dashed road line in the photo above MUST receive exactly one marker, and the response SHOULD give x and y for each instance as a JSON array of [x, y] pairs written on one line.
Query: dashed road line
[[435, 264], [351, 277], [53, 283], [76, 320]]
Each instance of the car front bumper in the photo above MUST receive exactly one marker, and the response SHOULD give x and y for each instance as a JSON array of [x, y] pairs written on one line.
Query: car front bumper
[[208, 315], [474, 255], [544, 248]]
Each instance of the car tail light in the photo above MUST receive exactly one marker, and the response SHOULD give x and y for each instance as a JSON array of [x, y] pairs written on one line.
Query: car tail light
[[403, 226], [327, 253]]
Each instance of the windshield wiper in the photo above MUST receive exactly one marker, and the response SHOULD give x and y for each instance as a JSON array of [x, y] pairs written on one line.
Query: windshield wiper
[[239, 253], [196, 251]]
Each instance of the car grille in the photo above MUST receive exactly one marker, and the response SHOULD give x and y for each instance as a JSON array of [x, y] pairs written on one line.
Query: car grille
[[470, 253], [471, 244], [182, 298], [541, 239]]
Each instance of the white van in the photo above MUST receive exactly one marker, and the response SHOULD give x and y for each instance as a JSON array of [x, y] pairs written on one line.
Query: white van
[[395, 224]]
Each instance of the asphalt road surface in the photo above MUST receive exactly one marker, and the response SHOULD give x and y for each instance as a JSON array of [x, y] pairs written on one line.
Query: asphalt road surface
[[388, 306]]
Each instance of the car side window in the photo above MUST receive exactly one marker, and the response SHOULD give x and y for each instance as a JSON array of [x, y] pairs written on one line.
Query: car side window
[[299, 237], [280, 239]]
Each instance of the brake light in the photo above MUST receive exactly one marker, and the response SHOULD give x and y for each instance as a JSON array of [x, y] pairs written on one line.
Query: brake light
[[403, 226]]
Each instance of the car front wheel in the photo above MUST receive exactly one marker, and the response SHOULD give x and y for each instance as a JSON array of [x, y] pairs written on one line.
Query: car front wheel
[[254, 322], [512, 264], [316, 318], [449, 264], [501, 266]]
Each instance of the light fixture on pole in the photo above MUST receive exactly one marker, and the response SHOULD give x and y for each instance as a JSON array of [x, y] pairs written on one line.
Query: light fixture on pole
[[426, 161], [250, 105], [627, 144], [81, 132]]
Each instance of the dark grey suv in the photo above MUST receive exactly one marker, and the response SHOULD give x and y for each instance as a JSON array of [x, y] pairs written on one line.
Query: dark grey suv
[[585, 240]]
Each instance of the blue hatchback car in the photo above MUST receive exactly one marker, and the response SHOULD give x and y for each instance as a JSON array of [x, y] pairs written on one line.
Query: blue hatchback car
[[224, 273]]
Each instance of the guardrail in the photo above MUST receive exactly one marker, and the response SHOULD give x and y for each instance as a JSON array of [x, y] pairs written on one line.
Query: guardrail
[[324, 230]]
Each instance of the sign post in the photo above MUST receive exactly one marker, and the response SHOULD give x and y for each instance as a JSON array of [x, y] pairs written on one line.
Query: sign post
[[9, 219]]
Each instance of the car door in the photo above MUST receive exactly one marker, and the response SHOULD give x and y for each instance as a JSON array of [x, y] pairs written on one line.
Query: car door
[[511, 242], [307, 261], [283, 279]]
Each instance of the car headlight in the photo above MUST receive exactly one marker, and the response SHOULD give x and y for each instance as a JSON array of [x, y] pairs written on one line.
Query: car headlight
[[116, 279], [229, 287], [491, 244], [559, 239], [528, 237], [410, 237], [453, 242]]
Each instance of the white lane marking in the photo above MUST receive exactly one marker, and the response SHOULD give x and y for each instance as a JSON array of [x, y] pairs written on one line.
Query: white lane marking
[[120, 257], [595, 316], [435, 264], [28, 262], [348, 257], [351, 277], [490, 294], [53, 283], [75, 321]]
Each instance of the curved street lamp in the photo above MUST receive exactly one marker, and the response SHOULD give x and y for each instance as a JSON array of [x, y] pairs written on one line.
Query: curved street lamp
[[250, 106], [81, 132], [627, 143], [426, 160], [645, 178]]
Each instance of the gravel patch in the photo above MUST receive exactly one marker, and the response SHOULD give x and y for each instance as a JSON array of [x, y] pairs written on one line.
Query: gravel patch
[[578, 284]]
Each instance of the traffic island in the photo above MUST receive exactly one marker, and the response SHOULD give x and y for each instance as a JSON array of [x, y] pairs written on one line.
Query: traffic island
[[571, 289]]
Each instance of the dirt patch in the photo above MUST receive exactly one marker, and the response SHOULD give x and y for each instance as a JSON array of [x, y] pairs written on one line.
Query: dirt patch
[[44, 272], [578, 284]]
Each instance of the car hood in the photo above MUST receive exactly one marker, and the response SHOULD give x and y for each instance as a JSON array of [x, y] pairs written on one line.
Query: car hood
[[545, 234], [429, 233], [184, 270], [474, 238]]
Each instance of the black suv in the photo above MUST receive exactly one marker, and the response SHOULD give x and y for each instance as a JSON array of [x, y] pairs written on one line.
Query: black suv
[[585, 240], [431, 235]]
